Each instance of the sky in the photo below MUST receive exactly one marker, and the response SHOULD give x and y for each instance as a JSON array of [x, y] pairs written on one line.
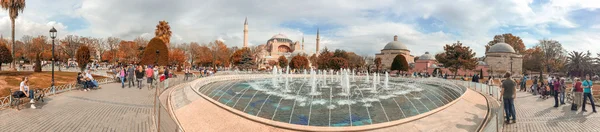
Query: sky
[[360, 26]]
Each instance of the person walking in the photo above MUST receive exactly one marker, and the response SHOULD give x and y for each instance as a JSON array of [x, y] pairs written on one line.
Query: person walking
[[587, 93], [166, 73], [139, 74], [523, 84], [131, 75], [149, 76], [556, 91], [122, 73], [577, 94], [187, 73], [508, 95], [551, 84], [535, 85]]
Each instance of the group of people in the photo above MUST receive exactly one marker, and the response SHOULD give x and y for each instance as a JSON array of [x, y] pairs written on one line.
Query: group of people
[[132, 74], [87, 80]]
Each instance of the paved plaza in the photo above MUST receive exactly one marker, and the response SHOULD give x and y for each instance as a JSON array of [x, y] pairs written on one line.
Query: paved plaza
[[537, 115], [108, 109]]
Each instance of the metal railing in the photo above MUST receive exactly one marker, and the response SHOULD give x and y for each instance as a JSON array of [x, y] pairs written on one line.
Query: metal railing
[[163, 119], [494, 120]]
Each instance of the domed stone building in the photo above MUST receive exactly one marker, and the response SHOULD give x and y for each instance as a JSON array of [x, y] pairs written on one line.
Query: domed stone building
[[501, 58], [428, 63], [391, 50]]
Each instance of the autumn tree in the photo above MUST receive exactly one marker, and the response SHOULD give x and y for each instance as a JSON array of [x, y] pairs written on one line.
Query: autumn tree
[[533, 59], [457, 56], [150, 57], [337, 63], [236, 57], [400, 63], [355, 61], [112, 44], [314, 60], [247, 61], [324, 57], [140, 41], [177, 57], [194, 51], [4, 54], [283, 62], [39, 46], [70, 44], [83, 57], [341, 54], [163, 32], [221, 53], [377, 62], [299, 62], [514, 41], [205, 56], [128, 51]]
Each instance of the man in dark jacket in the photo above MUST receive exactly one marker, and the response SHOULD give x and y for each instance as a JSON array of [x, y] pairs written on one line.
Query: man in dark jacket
[[131, 75]]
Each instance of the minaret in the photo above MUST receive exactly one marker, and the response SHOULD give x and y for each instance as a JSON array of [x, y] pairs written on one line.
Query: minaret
[[246, 33], [318, 38], [302, 42]]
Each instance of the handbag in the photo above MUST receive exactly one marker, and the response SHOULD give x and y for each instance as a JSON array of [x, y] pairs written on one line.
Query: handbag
[[18, 94]]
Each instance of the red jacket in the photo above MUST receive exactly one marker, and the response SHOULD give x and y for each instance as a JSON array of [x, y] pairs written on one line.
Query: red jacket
[[557, 85], [578, 87]]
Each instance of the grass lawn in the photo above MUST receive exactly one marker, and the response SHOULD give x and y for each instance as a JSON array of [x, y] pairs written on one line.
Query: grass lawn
[[12, 79]]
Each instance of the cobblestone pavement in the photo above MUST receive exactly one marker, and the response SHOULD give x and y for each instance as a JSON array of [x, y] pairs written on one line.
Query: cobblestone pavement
[[537, 115], [111, 108]]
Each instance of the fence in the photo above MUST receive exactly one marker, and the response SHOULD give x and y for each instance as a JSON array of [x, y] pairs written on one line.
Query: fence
[[495, 117], [162, 116]]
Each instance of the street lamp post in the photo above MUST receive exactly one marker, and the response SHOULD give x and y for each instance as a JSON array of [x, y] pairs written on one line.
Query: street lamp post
[[156, 92], [53, 36]]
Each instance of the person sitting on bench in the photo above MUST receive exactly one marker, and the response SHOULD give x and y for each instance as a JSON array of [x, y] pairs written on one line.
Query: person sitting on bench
[[24, 87]]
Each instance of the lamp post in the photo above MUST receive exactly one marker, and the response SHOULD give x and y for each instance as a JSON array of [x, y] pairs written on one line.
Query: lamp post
[[53, 36]]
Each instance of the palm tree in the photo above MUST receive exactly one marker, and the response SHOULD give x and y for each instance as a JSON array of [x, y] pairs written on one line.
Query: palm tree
[[13, 7], [163, 31], [578, 63]]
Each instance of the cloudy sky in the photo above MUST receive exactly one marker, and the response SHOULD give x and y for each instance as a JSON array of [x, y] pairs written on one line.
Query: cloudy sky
[[362, 26]]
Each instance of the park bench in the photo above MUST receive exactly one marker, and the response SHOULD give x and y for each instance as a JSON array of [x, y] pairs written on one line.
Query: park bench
[[38, 95]]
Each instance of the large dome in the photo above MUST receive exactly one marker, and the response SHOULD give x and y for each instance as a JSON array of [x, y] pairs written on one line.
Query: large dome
[[279, 36], [395, 45], [426, 56], [501, 48]]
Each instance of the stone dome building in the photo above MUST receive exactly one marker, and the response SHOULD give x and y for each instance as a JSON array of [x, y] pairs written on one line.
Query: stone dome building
[[391, 50], [502, 58]]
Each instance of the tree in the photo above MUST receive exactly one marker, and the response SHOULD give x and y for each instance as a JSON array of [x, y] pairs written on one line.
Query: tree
[[83, 57], [400, 63], [13, 7], [38, 47], [5, 56], [323, 62], [341, 54], [220, 53], [177, 57], [194, 51], [128, 51], [457, 56], [236, 57], [113, 44], [514, 41], [579, 63], [355, 61], [70, 45], [283, 62], [299, 62], [533, 59], [204, 56], [150, 58], [163, 32], [247, 61], [554, 54], [337, 63], [377, 62]]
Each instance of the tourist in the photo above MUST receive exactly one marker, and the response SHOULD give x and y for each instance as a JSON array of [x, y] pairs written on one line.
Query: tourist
[[156, 70], [24, 87], [587, 93], [139, 74], [81, 80], [131, 75], [577, 94], [122, 73], [166, 73], [149, 76], [187, 73], [556, 91], [508, 94], [562, 88], [551, 84], [93, 83], [522, 84]]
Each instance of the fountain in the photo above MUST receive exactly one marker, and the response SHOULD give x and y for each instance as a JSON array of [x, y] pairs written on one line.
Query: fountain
[[274, 78], [374, 88], [385, 82], [313, 83], [367, 78]]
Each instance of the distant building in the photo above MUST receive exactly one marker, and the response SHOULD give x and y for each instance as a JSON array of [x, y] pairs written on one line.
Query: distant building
[[502, 58], [391, 50]]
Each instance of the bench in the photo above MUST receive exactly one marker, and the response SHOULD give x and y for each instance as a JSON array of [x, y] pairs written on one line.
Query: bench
[[38, 95]]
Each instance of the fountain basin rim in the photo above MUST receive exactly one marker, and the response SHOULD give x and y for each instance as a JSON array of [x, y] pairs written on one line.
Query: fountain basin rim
[[305, 127]]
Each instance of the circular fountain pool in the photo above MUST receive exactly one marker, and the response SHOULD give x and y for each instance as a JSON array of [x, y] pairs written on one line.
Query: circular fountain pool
[[334, 100]]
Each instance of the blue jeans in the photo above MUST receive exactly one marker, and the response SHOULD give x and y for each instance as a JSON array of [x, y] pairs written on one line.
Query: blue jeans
[[585, 97], [31, 95], [509, 108], [535, 89], [122, 81]]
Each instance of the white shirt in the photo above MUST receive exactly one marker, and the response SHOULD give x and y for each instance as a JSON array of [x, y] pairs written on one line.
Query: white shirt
[[24, 87], [88, 75]]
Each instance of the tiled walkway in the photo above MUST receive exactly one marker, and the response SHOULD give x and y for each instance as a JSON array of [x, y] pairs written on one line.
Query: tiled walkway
[[108, 109], [537, 115]]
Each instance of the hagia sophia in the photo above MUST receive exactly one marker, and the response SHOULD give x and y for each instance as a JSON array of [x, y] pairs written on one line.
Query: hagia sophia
[[278, 45]]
